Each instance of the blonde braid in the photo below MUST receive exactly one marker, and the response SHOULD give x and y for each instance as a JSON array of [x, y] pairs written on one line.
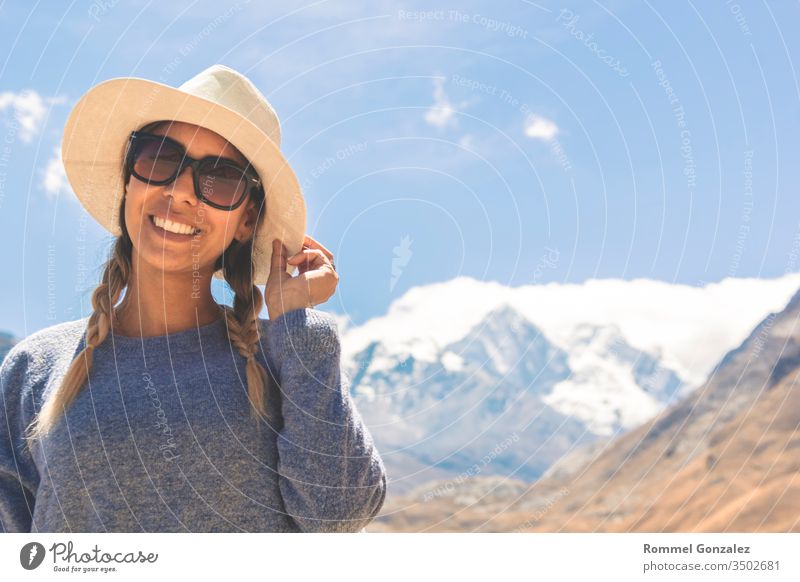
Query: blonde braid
[[243, 323], [115, 278]]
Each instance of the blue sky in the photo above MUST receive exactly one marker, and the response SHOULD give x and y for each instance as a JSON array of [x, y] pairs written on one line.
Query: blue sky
[[516, 142]]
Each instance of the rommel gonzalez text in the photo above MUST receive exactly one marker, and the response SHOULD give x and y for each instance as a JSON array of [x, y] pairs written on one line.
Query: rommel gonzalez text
[[700, 549]]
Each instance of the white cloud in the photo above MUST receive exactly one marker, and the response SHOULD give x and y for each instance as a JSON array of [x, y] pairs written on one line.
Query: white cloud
[[54, 178], [28, 109], [539, 127], [690, 328], [442, 113], [342, 321], [467, 141]]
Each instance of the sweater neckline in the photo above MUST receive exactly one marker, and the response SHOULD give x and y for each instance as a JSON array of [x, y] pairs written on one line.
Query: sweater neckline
[[186, 339]]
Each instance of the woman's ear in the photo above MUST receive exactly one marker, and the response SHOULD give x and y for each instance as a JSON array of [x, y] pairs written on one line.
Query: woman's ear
[[247, 222]]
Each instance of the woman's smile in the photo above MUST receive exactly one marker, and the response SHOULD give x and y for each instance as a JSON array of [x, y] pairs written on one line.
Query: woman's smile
[[171, 230]]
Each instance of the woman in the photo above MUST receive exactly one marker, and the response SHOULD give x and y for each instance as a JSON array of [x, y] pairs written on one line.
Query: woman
[[167, 411]]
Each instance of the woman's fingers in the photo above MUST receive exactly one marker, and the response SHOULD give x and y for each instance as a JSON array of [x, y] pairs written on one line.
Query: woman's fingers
[[312, 256], [308, 259], [308, 254], [278, 261], [311, 243]]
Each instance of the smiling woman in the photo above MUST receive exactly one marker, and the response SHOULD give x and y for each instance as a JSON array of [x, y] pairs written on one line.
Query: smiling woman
[[179, 230], [209, 418]]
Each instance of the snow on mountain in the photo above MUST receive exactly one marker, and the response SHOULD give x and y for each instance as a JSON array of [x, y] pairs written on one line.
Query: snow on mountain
[[455, 368], [612, 385], [447, 418], [687, 328]]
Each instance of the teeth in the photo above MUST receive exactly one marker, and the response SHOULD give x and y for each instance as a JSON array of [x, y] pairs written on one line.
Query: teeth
[[175, 227]]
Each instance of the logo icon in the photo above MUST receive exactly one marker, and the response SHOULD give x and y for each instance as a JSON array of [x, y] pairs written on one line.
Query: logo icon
[[31, 555]]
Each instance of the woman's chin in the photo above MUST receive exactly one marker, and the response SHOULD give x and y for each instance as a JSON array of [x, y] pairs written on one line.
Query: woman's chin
[[177, 268]]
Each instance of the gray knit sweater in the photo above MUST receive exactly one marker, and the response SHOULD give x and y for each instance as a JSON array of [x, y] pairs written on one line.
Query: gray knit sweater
[[161, 439]]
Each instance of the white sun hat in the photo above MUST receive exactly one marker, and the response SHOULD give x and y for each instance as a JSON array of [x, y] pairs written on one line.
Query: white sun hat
[[218, 98]]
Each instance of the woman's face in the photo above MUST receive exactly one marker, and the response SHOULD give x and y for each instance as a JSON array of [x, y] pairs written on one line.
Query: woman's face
[[177, 202]]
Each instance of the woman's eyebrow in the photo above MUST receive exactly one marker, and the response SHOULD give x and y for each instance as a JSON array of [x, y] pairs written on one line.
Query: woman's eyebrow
[[221, 158], [241, 163], [218, 157], [234, 161]]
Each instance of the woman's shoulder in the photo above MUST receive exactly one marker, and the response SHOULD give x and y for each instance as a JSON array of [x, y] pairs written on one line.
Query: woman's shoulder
[[42, 348], [29, 363]]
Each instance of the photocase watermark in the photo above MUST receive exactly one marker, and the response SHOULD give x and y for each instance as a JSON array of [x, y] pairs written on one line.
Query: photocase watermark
[[12, 128], [52, 312], [689, 167], [540, 513], [747, 211], [81, 268], [186, 50], [195, 242], [508, 28], [475, 469], [206, 31], [401, 255], [736, 10], [549, 260], [794, 253], [33, 554], [533, 122], [759, 342], [762, 337], [330, 161], [168, 447], [568, 20], [64, 552], [99, 7], [557, 151]]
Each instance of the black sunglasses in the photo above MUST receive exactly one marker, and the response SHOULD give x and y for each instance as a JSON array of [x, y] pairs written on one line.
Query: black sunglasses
[[219, 182]]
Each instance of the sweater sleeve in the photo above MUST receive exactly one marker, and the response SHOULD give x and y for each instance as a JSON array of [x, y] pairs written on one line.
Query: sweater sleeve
[[331, 476], [19, 477]]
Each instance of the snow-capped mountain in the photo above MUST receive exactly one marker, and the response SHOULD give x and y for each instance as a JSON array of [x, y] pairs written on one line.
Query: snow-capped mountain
[[469, 377], [612, 384]]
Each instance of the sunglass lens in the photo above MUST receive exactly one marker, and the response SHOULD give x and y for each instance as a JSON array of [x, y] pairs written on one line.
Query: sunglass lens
[[223, 183], [156, 160]]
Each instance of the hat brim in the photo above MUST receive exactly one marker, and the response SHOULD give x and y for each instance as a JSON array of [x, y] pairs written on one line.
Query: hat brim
[[97, 131]]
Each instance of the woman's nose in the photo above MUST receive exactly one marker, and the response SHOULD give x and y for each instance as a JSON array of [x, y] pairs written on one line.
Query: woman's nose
[[182, 189]]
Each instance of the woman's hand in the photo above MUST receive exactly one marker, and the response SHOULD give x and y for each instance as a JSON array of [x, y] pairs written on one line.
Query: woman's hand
[[315, 283]]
